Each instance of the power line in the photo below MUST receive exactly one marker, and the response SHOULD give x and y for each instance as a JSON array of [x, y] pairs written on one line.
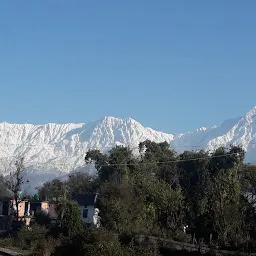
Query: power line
[[148, 163], [110, 147], [82, 156], [138, 163], [173, 161]]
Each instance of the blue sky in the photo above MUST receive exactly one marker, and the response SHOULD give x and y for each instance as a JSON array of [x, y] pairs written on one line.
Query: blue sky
[[171, 65]]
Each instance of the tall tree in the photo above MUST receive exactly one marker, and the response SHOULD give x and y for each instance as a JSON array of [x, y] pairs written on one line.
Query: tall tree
[[15, 181], [194, 178], [69, 217], [226, 194], [160, 160], [53, 190], [100, 161], [81, 183], [116, 165]]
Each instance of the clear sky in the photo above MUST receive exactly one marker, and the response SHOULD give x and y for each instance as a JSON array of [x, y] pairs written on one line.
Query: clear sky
[[171, 65]]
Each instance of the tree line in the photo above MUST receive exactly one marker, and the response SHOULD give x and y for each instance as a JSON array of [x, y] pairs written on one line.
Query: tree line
[[157, 192]]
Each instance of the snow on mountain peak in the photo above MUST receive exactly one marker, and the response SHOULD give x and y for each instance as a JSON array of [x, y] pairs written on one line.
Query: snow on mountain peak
[[252, 112], [62, 147], [238, 131], [201, 129], [53, 149], [251, 115]]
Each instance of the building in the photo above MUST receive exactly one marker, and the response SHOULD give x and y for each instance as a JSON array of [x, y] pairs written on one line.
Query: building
[[5, 206], [6, 197], [37, 207], [27, 208], [87, 204], [5, 209], [30, 208]]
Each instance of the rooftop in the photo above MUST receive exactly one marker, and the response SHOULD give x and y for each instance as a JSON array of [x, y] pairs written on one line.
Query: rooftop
[[88, 199]]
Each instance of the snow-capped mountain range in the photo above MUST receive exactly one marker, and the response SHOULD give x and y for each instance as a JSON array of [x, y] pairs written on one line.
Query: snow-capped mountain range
[[238, 131], [52, 150]]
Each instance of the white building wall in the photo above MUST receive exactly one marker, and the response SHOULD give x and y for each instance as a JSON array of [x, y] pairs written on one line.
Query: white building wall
[[90, 214]]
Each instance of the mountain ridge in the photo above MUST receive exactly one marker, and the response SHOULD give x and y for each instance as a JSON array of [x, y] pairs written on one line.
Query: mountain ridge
[[60, 148], [236, 131]]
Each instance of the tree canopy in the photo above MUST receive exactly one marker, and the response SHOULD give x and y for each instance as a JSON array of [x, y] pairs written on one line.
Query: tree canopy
[[157, 191]]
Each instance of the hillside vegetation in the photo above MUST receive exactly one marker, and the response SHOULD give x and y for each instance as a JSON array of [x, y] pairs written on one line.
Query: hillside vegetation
[[155, 194]]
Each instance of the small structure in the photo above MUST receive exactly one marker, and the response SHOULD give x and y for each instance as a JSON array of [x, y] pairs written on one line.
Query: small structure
[[27, 209], [33, 208], [87, 204], [5, 206], [185, 228], [6, 197], [37, 207], [96, 218]]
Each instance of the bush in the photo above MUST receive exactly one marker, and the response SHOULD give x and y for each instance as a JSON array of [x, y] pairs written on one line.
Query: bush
[[69, 218], [93, 242], [181, 237], [43, 219], [28, 239], [7, 242], [45, 247], [101, 242], [143, 250]]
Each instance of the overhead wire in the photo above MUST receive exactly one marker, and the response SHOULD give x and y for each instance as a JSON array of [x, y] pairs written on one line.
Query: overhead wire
[[110, 147], [79, 166], [142, 163], [173, 161]]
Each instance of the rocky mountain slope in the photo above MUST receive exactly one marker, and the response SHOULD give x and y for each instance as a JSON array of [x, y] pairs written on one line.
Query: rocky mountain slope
[[52, 150], [239, 131]]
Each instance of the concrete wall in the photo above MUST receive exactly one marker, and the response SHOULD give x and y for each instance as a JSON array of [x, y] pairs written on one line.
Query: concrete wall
[[90, 214], [48, 208], [51, 211], [45, 207], [21, 208]]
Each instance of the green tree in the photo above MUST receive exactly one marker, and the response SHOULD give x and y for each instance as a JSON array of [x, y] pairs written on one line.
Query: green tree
[[122, 208], [159, 159], [81, 183], [169, 206], [53, 190], [226, 194], [225, 203], [100, 161], [116, 165], [69, 217], [28, 239], [248, 182], [92, 242]]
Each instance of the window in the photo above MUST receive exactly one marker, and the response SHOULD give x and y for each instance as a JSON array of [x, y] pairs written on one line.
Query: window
[[85, 213]]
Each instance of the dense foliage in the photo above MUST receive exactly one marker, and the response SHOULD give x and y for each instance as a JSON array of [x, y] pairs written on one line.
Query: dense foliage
[[158, 192]]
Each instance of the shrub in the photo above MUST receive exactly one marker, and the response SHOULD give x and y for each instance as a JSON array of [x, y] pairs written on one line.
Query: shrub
[[28, 239], [69, 218], [43, 219], [92, 242], [45, 247]]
